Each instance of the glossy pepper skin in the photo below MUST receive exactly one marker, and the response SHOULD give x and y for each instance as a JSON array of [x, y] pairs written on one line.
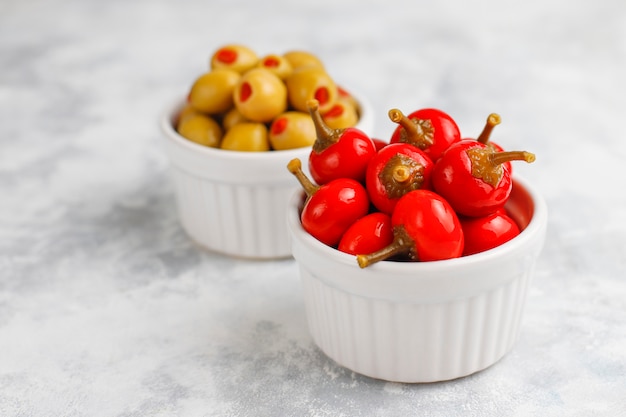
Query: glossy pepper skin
[[368, 234], [487, 232], [331, 208], [431, 130], [425, 228], [472, 177], [433, 225], [394, 171], [338, 153]]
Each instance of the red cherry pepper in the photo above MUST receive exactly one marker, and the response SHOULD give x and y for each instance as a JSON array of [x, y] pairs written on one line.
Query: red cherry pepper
[[338, 153], [395, 170], [487, 232], [368, 234], [471, 176], [431, 130], [425, 228], [331, 208]]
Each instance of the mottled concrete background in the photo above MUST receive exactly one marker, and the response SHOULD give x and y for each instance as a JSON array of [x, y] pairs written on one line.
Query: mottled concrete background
[[107, 308]]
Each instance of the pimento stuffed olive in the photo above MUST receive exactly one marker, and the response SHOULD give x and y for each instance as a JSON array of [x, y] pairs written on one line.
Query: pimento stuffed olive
[[292, 129], [260, 95], [239, 58], [308, 83]]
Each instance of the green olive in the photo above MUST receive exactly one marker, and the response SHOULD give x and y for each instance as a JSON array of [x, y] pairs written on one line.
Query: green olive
[[247, 137], [235, 57], [343, 114], [260, 95], [292, 129], [309, 83], [187, 111], [201, 129], [277, 64], [343, 94], [233, 117], [212, 92], [299, 59]]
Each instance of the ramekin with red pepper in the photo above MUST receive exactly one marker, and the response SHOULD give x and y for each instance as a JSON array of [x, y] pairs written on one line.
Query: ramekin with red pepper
[[415, 267]]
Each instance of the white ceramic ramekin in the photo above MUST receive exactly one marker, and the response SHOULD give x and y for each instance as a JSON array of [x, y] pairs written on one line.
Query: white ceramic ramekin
[[234, 202], [420, 322]]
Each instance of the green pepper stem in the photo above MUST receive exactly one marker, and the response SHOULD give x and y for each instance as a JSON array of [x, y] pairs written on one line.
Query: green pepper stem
[[401, 244], [414, 129], [498, 158], [492, 121], [295, 167], [325, 135]]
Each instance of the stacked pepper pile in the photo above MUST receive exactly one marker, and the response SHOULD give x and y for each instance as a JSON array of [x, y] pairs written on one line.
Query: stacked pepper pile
[[425, 195]]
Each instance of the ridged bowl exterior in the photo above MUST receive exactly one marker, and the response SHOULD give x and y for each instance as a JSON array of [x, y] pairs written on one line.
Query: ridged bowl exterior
[[235, 203], [420, 322], [235, 219]]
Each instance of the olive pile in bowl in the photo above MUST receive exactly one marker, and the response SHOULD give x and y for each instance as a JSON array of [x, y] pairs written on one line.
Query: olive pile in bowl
[[249, 102], [230, 136]]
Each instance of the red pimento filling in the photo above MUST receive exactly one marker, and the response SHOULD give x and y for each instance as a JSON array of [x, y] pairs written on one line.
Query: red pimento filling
[[226, 55], [279, 126], [271, 62], [334, 112], [245, 92], [342, 92], [322, 95]]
